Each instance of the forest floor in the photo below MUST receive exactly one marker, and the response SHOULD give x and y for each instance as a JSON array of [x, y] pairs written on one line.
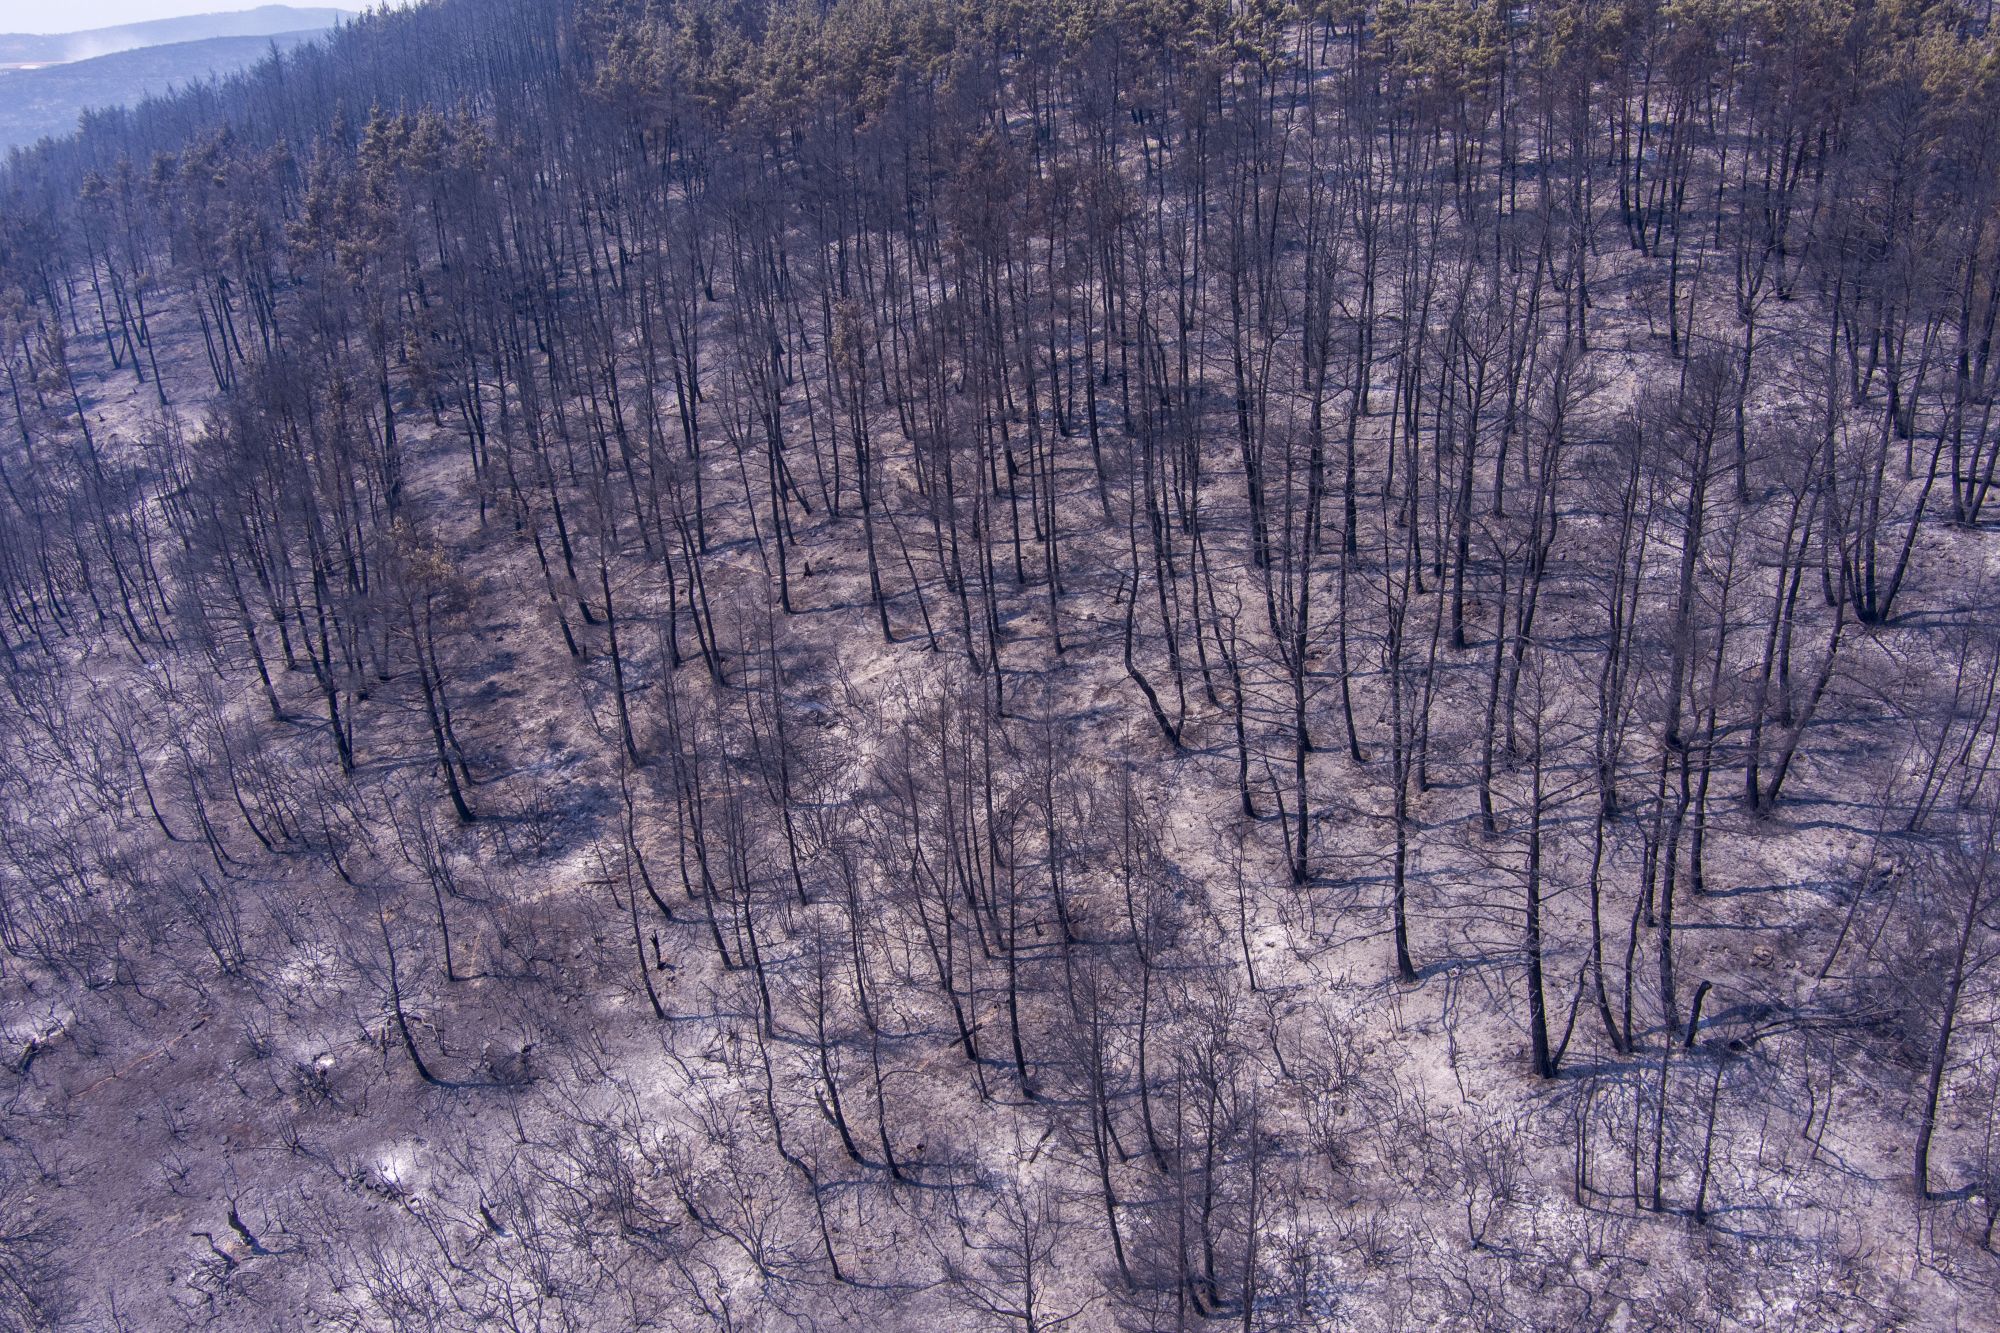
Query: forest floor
[[255, 1150]]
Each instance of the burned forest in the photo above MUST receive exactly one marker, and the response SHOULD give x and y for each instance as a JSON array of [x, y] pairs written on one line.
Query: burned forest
[[1010, 664]]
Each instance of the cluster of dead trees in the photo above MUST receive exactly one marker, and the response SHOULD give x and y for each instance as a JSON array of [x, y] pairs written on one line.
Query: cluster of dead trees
[[998, 512]]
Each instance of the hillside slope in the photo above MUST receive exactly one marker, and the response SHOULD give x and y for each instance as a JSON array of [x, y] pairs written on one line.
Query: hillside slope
[[923, 665]]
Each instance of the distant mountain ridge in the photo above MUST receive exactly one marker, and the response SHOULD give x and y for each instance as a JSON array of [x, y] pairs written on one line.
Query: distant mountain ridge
[[44, 102], [264, 21]]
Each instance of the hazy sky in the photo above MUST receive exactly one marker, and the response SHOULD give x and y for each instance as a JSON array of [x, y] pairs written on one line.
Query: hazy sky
[[77, 15]]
